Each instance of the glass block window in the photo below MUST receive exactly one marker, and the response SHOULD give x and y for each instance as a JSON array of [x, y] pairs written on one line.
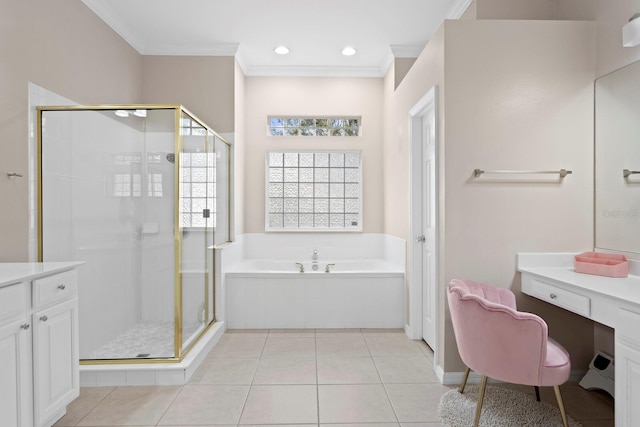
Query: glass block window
[[198, 189], [313, 126], [314, 191]]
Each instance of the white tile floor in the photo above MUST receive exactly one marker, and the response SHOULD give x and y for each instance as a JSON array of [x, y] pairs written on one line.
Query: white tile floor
[[372, 378]]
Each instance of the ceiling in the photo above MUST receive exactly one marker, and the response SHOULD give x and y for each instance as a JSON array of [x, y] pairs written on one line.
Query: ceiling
[[315, 31]]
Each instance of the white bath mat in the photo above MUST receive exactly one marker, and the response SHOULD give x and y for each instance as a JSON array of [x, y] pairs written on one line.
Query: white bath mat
[[502, 407]]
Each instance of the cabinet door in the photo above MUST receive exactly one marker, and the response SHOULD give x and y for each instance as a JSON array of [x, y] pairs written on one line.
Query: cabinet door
[[55, 358], [15, 378], [627, 369]]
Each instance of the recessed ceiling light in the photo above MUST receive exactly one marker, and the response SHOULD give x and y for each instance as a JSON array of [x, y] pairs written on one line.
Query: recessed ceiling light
[[140, 113], [122, 113], [281, 50], [348, 51]]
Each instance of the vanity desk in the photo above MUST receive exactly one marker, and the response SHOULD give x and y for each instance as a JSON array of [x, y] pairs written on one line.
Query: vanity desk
[[614, 302]]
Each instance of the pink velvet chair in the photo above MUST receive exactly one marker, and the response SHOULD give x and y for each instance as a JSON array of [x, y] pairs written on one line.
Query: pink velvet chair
[[499, 342]]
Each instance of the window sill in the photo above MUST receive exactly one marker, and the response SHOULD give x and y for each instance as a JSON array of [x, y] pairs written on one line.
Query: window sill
[[312, 230]]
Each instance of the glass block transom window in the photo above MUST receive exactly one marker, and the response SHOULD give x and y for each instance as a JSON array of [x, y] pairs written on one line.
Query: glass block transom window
[[314, 191], [313, 126]]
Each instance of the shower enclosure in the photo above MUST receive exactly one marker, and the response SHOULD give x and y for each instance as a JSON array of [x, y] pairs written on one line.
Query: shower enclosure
[[141, 194]]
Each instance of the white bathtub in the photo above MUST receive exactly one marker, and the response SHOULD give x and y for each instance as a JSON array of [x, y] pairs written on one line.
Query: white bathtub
[[274, 294]]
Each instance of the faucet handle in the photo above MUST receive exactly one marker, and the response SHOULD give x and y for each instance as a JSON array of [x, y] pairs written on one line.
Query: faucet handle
[[301, 267], [327, 269]]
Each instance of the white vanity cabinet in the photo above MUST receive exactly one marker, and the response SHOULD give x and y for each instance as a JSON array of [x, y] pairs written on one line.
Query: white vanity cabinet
[[15, 353], [627, 346], [614, 302], [39, 372]]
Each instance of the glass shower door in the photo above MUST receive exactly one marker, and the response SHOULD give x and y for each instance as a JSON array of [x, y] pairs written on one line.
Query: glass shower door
[[196, 176]]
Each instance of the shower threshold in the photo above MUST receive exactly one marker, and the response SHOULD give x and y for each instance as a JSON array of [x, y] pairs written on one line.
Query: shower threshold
[[139, 374]]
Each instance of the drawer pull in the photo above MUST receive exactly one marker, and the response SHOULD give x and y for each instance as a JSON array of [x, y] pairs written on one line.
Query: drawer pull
[[44, 318], [62, 287], [25, 326], [553, 296]]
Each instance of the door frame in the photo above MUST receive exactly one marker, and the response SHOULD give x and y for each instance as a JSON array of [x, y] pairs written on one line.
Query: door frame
[[427, 102]]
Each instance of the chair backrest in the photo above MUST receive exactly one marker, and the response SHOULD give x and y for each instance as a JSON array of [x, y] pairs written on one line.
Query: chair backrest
[[493, 338]]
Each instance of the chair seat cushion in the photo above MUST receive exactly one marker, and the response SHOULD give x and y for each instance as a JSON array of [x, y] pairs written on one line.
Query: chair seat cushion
[[557, 365]]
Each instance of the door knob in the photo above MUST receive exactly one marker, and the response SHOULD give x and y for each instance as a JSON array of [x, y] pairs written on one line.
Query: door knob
[[44, 318], [25, 326]]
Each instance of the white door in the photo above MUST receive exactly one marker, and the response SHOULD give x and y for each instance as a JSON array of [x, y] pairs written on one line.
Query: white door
[[423, 255], [428, 181]]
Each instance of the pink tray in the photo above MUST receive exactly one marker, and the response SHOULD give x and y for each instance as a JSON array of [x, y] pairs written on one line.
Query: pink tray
[[601, 264]]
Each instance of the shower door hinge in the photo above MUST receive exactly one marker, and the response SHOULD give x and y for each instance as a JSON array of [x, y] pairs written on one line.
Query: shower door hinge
[[206, 213]]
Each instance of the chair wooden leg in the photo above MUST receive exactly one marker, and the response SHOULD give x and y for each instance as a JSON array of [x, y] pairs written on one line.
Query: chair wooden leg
[[483, 386], [464, 381], [537, 392], [561, 405]]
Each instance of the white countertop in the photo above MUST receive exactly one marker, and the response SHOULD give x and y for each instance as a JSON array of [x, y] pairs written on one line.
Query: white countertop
[[559, 266], [13, 272]]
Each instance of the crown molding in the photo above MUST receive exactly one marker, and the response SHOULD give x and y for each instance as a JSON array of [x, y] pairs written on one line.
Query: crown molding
[[311, 71], [457, 9], [117, 24], [179, 49], [387, 61]]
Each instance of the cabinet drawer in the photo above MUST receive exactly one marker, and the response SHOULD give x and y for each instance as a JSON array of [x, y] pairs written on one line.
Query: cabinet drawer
[[13, 300], [571, 301], [53, 288]]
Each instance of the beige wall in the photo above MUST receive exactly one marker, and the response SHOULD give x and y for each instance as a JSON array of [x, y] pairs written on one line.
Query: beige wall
[[517, 102], [526, 105], [401, 67], [516, 9], [312, 96], [203, 84], [427, 71], [239, 141], [64, 47], [610, 17]]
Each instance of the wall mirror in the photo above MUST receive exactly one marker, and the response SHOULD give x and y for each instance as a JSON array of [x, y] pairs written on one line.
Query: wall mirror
[[617, 160]]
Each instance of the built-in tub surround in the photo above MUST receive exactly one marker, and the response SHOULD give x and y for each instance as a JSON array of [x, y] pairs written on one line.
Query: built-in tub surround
[[265, 288]]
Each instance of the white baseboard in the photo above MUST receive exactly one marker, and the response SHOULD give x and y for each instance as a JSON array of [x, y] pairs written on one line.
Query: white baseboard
[[408, 331]]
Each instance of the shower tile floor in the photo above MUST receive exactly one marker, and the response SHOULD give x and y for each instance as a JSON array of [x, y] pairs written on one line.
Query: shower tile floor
[[151, 339], [366, 378]]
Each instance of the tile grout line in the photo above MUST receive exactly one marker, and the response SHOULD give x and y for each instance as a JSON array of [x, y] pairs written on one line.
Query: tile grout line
[[169, 406], [384, 387], [94, 406], [253, 378]]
